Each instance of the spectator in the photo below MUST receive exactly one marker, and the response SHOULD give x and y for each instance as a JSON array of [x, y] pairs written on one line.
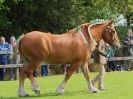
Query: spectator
[[44, 69], [41, 71], [110, 53], [128, 49], [14, 58], [4, 46], [128, 40]]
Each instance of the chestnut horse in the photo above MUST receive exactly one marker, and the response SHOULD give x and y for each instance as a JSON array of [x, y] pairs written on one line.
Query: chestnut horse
[[74, 47]]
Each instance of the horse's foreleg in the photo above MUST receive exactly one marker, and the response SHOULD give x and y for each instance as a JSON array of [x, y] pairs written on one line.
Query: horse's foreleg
[[22, 76], [69, 72], [86, 75]]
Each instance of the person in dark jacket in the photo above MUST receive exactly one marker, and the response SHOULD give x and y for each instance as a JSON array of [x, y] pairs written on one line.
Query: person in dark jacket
[[128, 41], [128, 48], [4, 46]]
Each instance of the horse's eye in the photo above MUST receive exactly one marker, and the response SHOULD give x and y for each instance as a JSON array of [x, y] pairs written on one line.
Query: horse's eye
[[113, 31], [110, 30]]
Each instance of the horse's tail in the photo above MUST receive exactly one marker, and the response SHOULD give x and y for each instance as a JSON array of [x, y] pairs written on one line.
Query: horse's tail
[[18, 41]]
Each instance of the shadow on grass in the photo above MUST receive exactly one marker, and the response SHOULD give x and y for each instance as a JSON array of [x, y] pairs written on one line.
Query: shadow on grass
[[50, 94], [71, 93]]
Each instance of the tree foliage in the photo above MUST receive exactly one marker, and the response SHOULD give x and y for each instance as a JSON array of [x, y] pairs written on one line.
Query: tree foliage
[[124, 7], [56, 16]]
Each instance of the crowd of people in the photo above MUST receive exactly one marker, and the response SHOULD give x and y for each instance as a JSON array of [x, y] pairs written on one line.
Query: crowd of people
[[5, 58], [103, 51]]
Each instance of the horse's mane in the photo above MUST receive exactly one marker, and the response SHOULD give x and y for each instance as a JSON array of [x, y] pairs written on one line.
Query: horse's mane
[[92, 25], [96, 24], [71, 30]]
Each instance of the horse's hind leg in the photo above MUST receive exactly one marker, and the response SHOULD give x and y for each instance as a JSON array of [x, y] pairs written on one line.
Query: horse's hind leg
[[69, 72], [86, 75], [22, 76], [34, 84], [28, 72]]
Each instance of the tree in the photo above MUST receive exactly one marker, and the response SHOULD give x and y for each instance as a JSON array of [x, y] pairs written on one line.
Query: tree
[[124, 7], [4, 22], [104, 9], [56, 16], [97, 9]]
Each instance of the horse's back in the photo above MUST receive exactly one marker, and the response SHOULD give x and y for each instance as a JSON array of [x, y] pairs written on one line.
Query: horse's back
[[35, 44]]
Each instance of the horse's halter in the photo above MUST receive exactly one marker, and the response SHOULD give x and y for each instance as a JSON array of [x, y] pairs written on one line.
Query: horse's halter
[[111, 31]]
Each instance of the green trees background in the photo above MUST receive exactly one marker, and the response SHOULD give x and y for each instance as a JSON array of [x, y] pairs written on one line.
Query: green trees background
[[57, 16]]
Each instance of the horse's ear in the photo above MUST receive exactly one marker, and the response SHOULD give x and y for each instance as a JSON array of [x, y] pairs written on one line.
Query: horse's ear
[[84, 27], [110, 22]]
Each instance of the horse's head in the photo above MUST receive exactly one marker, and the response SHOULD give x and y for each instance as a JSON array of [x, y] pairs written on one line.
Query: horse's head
[[110, 35]]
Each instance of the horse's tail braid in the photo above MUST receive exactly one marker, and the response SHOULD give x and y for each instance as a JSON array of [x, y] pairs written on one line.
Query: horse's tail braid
[[18, 41]]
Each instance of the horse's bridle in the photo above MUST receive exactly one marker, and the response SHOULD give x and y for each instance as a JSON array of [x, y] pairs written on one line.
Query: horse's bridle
[[113, 34]]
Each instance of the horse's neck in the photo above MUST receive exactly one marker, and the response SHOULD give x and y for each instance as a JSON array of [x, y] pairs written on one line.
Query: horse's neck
[[98, 31]]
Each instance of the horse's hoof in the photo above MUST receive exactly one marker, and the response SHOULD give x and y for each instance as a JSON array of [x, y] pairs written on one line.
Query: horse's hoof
[[94, 90], [101, 88], [37, 92], [60, 90], [26, 95]]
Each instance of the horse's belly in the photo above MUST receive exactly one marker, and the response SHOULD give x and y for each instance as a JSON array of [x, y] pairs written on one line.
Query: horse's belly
[[59, 59], [56, 61]]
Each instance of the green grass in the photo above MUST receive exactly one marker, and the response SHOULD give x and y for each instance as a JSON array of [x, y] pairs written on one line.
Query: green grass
[[119, 85]]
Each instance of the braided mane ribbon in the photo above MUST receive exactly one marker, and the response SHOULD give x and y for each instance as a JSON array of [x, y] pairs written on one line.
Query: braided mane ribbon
[[92, 43]]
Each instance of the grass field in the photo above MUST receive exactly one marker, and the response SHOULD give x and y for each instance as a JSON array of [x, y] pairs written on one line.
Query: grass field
[[119, 85]]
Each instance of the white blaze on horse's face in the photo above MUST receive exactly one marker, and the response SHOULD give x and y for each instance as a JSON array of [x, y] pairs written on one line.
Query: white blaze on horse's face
[[115, 37]]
